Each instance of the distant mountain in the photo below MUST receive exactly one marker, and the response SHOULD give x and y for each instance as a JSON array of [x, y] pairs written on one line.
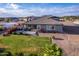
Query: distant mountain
[[69, 18], [29, 18]]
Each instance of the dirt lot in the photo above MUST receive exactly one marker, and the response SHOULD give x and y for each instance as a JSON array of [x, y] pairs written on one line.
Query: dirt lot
[[69, 42]]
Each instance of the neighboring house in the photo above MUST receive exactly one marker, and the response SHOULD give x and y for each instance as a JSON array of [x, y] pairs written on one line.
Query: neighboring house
[[26, 18], [7, 25], [45, 24], [76, 21]]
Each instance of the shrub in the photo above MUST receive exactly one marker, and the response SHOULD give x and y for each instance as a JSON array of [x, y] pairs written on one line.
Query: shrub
[[19, 54], [9, 53], [52, 50]]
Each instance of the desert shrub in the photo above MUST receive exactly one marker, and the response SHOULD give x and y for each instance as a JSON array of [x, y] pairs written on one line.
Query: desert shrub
[[52, 50], [19, 54], [13, 32], [9, 53], [5, 53]]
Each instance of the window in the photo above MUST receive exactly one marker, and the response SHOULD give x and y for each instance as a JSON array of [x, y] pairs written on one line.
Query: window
[[52, 27], [35, 26]]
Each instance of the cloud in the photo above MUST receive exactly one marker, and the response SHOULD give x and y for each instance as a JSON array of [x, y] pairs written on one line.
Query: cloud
[[2, 10], [59, 11], [14, 10], [10, 9], [12, 6]]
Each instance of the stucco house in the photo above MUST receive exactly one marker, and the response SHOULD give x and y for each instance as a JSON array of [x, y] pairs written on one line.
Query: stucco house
[[46, 24]]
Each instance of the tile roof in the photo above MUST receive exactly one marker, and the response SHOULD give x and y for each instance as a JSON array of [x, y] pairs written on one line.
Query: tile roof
[[44, 21]]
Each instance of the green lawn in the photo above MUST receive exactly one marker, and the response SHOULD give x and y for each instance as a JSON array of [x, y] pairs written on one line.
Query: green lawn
[[1, 27], [28, 45]]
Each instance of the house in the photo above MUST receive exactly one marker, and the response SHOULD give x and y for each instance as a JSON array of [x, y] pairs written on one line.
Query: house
[[8, 25], [46, 24]]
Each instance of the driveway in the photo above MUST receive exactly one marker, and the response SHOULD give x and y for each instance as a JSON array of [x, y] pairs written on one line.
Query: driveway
[[69, 42]]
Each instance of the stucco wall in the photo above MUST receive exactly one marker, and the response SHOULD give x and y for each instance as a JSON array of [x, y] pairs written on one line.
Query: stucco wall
[[58, 28], [46, 27]]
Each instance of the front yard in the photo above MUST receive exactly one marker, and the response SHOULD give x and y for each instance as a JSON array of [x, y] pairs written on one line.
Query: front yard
[[28, 46]]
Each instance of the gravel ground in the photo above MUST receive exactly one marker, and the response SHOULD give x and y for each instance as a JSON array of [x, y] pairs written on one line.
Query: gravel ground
[[69, 42]]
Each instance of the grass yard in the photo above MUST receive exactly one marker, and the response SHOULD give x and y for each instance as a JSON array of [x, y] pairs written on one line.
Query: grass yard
[[1, 27], [24, 45]]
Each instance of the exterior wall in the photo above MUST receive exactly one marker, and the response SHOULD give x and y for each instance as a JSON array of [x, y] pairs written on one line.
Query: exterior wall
[[38, 26], [46, 27], [58, 28], [49, 27]]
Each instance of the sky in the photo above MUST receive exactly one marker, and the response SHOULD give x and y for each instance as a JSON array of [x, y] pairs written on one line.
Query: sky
[[38, 9]]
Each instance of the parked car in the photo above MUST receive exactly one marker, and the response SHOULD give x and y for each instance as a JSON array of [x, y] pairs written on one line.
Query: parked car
[[26, 32], [30, 33]]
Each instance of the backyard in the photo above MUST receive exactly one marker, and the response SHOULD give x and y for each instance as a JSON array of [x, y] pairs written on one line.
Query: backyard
[[28, 46]]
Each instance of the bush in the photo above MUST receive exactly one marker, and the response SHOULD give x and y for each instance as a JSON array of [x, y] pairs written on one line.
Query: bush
[[4, 52], [19, 54], [9, 53], [52, 50], [14, 33]]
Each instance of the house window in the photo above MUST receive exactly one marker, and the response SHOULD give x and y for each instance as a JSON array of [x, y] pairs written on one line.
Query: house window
[[52, 27], [35, 26]]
